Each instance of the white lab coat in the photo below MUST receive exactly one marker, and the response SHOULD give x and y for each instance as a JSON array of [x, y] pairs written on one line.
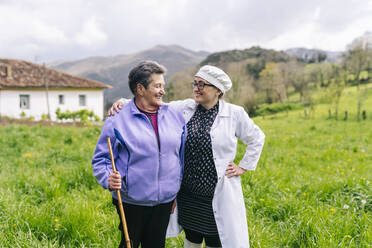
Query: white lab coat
[[231, 123]]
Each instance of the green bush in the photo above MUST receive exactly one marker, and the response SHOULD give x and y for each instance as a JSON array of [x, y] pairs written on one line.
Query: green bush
[[269, 109], [84, 116], [44, 117]]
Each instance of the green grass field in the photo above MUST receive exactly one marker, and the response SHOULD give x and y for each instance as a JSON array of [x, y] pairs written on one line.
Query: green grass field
[[312, 187]]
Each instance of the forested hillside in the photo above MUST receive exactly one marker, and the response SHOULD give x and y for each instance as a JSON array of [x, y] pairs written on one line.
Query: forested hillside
[[265, 78]]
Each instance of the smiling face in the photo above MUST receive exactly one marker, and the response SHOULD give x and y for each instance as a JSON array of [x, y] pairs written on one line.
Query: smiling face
[[206, 96], [153, 95]]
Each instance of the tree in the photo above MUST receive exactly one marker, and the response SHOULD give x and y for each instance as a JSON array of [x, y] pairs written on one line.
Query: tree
[[358, 58], [336, 87], [285, 73], [313, 76], [254, 68], [242, 92], [272, 82], [296, 77], [321, 57], [179, 85]]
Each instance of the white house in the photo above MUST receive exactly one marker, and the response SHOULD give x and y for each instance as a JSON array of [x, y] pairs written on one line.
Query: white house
[[29, 89]]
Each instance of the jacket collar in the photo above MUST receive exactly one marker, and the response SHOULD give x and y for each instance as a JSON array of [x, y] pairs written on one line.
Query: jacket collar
[[135, 111], [222, 110]]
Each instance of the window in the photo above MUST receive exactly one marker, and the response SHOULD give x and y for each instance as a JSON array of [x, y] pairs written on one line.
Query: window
[[61, 99], [24, 101], [82, 100]]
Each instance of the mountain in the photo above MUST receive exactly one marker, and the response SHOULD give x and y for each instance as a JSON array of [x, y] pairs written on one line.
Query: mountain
[[314, 55], [114, 70]]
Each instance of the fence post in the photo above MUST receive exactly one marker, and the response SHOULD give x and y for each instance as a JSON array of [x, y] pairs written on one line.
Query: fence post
[[364, 115]]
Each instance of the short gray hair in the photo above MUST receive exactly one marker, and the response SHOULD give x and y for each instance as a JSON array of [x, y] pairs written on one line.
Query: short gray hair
[[141, 74]]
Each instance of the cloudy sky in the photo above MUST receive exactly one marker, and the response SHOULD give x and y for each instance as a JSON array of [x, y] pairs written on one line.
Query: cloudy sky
[[48, 30]]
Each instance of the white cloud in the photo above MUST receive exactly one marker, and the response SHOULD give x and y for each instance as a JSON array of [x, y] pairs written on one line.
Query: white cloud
[[91, 34], [72, 29], [317, 13], [300, 36], [45, 33]]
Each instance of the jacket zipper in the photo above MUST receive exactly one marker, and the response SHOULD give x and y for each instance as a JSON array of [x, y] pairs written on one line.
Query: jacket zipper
[[159, 157], [158, 144]]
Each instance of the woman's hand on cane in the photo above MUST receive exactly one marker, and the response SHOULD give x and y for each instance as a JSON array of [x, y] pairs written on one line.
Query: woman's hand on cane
[[114, 181], [234, 170]]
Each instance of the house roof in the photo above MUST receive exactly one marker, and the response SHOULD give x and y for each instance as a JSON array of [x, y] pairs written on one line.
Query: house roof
[[24, 74]]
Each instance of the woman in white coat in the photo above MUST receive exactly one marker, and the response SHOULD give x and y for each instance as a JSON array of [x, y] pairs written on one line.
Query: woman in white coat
[[210, 204]]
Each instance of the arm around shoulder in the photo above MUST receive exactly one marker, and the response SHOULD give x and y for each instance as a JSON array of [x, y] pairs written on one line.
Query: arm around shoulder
[[180, 105], [123, 101]]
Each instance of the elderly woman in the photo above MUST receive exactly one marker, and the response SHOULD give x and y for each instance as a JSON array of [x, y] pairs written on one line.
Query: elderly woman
[[210, 202], [147, 144]]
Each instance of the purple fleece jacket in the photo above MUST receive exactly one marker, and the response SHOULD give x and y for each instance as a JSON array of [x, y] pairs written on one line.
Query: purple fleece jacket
[[151, 176]]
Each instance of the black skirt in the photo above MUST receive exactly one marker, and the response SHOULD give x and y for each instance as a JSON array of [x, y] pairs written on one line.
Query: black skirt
[[196, 213]]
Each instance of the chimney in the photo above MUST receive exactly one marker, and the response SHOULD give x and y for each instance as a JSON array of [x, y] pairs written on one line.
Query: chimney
[[9, 72]]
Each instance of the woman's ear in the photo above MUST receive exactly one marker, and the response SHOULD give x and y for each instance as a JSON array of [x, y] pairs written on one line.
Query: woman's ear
[[140, 89]]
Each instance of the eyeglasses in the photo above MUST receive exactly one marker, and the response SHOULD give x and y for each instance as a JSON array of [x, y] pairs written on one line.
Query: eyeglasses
[[200, 85]]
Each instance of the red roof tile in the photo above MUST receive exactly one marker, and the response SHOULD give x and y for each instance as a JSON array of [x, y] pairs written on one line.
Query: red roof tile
[[23, 74]]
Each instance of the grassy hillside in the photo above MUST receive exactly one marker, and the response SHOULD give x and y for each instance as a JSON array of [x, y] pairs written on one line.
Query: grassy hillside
[[311, 188]]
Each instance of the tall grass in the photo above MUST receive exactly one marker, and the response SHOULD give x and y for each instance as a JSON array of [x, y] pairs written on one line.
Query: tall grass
[[48, 195], [311, 187]]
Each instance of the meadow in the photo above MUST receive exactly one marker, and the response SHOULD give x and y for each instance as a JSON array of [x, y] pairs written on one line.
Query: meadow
[[312, 186]]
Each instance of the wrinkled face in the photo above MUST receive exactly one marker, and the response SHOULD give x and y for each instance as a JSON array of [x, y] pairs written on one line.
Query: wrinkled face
[[206, 94], [155, 91]]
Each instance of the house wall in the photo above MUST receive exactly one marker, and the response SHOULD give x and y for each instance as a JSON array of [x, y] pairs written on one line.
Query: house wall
[[10, 101]]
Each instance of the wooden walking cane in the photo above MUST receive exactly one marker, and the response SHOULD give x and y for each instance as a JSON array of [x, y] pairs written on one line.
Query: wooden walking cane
[[127, 240]]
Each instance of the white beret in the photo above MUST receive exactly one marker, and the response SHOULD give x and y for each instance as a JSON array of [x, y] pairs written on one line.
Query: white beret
[[215, 76]]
